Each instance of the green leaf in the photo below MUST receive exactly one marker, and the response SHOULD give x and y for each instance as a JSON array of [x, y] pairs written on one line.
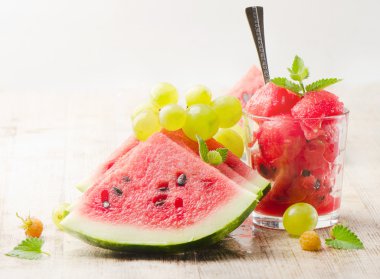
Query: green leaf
[[29, 249], [343, 238], [203, 149], [214, 157], [297, 64], [223, 152], [298, 72], [321, 84], [285, 83]]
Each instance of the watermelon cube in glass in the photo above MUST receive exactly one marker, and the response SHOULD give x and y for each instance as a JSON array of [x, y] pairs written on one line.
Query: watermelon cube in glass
[[303, 157]]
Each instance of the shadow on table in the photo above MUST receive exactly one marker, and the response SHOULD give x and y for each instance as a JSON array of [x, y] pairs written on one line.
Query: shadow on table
[[227, 248], [243, 243]]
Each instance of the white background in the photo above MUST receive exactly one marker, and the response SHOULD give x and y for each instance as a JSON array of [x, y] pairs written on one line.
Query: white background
[[116, 44]]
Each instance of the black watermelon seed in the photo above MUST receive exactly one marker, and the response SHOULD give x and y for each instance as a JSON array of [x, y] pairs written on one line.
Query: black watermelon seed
[[106, 204], [317, 184], [181, 180], [163, 189], [126, 179], [160, 199], [159, 202], [306, 173], [117, 191]]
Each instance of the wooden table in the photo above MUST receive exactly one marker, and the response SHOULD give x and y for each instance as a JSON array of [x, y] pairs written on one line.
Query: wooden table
[[50, 140]]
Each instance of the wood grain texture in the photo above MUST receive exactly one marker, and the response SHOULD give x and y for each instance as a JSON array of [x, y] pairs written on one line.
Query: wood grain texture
[[50, 140]]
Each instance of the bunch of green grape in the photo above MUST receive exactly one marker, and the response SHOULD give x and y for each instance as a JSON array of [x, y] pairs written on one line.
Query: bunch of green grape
[[203, 116]]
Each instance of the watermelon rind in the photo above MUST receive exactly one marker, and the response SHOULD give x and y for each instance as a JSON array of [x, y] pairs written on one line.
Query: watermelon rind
[[127, 238]]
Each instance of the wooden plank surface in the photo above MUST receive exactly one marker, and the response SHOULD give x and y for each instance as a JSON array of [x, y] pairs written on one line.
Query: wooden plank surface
[[50, 140]]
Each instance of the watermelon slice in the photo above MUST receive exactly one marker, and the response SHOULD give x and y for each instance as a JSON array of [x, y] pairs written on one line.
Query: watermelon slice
[[248, 85], [159, 197]]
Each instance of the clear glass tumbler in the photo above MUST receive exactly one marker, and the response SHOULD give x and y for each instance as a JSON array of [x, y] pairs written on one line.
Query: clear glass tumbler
[[304, 160]]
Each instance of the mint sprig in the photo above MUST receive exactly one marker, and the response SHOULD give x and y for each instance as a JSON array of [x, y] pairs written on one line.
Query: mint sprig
[[213, 157], [298, 73], [321, 84], [285, 83], [29, 249], [343, 238]]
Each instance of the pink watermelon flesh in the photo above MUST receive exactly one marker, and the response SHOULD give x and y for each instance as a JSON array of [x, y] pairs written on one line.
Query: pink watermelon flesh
[[248, 85], [151, 194], [280, 138], [128, 145], [331, 139], [144, 203], [233, 167], [317, 104], [271, 100]]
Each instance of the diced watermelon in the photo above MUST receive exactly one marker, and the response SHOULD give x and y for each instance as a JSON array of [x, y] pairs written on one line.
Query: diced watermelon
[[312, 158], [331, 138], [280, 138], [248, 85], [271, 100], [277, 200], [259, 163], [316, 105], [300, 188]]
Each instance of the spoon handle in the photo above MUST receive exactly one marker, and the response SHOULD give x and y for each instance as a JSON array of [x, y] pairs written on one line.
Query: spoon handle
[[255, 17]]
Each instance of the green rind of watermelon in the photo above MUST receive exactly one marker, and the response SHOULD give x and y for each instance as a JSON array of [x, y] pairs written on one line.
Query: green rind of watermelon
[[178, 247]]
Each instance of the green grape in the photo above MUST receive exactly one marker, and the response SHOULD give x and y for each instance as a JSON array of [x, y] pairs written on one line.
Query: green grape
[[240, 130], [59, 213], [143, 107], [299, 218], [145, 124], [201, 120], [164, 94], [198, 94], [228, 109], [231, 140], [172, 117]]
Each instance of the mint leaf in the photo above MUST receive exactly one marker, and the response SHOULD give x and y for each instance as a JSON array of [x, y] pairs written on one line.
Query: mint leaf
[[298, 72], [321, 84], [203, 149], [343, 238], [223, 152], [214, 157], [29, 249], [287, 84]]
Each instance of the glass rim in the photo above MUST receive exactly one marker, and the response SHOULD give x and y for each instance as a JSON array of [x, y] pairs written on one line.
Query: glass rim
[[344, 114]]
